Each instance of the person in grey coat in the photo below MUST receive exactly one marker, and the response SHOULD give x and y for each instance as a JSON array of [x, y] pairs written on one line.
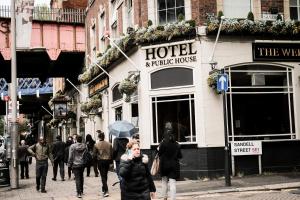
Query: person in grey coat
[[76, 162]]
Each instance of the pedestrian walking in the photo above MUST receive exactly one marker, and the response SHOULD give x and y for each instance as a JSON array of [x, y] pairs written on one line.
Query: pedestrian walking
[[137, 182], [136, 137], [24, 159], [66, 157], [119, 148], [76, 163], [90, 145], [41, 152], [103, 153], [169, 154], [58, 152]]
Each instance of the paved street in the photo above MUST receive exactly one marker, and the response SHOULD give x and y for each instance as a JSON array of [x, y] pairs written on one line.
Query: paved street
[[265, 187], [253, 195]]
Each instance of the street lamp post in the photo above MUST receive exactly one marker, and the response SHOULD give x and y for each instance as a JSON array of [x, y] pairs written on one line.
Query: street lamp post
[[14, 125]]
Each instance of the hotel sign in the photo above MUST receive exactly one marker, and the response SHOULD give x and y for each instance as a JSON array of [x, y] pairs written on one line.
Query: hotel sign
[[98, 85], [286, 52]]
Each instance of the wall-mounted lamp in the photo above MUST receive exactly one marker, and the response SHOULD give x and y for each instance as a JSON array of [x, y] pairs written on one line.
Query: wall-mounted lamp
[[38, 93], [2, 96], [19, 95]]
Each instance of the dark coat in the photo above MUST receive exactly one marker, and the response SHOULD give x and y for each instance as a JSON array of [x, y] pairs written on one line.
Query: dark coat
[[23, 153], [137, 182], [58, 150], [119, 148], [169, 154]]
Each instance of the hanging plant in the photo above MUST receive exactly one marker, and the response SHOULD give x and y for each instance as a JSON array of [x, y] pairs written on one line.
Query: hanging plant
[[92, 104], [213, 79], [127, 87]]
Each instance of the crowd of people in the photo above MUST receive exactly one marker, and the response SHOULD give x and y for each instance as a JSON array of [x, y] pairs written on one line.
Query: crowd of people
[[131, 165]]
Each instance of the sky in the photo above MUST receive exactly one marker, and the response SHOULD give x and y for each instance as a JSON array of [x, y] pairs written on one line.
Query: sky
[[36, 2]]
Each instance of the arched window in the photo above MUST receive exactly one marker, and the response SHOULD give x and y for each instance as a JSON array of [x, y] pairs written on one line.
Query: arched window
[[171, 77], [116, 95]]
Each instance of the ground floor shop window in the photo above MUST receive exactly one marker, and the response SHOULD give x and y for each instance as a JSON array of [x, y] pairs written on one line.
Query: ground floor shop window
[[260, 104], [177, 111]]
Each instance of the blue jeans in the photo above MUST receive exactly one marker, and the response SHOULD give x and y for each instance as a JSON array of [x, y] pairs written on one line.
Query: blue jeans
[[41, 173]]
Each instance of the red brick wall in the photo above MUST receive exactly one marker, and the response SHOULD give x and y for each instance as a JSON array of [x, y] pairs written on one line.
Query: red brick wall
[[140, 12], [267, 4], [200, 8], [120, 20], [81, 4]]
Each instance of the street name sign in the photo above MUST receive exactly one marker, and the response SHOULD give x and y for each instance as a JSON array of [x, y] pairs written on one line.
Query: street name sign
[[241, 148]]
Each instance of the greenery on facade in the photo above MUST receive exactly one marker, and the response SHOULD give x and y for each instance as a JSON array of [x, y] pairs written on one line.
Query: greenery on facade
[[92, 104], [213, 79], [127, 87], [274, 29], [149, 35]]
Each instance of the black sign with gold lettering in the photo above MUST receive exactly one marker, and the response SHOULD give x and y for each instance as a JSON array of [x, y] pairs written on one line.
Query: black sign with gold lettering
[[287, 52], [98, 85]]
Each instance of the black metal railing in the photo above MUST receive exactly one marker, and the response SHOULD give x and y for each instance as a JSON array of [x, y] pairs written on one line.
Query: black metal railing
[[66, 15]]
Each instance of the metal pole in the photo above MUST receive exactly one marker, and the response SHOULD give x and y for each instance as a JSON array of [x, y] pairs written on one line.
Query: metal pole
[[217, 38], [14, 125], [226, 148]]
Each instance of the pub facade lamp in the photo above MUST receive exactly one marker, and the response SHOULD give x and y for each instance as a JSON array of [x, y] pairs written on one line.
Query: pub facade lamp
[[60, 110]]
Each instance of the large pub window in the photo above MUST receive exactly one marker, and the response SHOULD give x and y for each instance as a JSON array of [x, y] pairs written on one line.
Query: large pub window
[[260, 104], [295, 9], [176, 111]]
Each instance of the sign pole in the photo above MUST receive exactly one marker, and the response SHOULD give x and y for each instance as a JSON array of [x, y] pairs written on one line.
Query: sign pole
[[226, 148]]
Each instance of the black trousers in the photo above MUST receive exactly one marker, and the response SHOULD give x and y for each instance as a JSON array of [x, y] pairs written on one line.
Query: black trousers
[[88, 168], [24, 169], [103, 166], [59, 163], [79, 180], [41, 173]]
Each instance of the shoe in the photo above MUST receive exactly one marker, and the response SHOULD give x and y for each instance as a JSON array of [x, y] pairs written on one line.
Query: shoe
[[22, 177], [43, 191], [105, 194], [27, 177], [37, 188], [63, 179], [53, 179], [96, 175], [79, 195], [88, 175]]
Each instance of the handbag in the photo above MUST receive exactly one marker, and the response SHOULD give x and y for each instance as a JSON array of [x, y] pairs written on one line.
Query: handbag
[[155, 166]]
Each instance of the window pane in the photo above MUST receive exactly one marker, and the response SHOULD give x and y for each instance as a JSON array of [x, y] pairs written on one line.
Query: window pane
[[161, 4], [170, 4], [116, 93], [171, 77], [171, 15], [179, 11], [118, 114], [155, 139], [293, 2], [178, 114], [179, 3], [236, 8], [293, 13], [162, 16]]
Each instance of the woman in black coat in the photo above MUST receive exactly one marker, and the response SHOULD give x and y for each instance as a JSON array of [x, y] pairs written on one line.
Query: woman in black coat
[[137, 182], [90, 145], [169, 154]]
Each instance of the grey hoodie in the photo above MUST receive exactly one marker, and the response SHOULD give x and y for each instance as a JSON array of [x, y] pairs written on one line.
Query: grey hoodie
[[76, 155]]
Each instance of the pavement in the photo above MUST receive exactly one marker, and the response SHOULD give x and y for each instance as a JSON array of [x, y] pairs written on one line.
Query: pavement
[[187, 189]]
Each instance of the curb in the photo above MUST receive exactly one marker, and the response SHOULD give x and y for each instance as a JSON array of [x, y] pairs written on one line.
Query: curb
[[295, 185]]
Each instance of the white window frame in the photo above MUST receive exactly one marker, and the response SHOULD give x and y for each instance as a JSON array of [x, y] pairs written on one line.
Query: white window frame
[[288, 90], [190, 99], [157, 11], [296, 6]]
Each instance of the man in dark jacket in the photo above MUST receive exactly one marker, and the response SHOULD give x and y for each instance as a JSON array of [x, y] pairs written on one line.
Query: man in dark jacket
[[58, 151], [41, 152], [119, 148], [76, 162]]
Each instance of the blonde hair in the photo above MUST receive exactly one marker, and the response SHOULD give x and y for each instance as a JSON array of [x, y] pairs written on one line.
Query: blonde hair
[[131, 143]]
